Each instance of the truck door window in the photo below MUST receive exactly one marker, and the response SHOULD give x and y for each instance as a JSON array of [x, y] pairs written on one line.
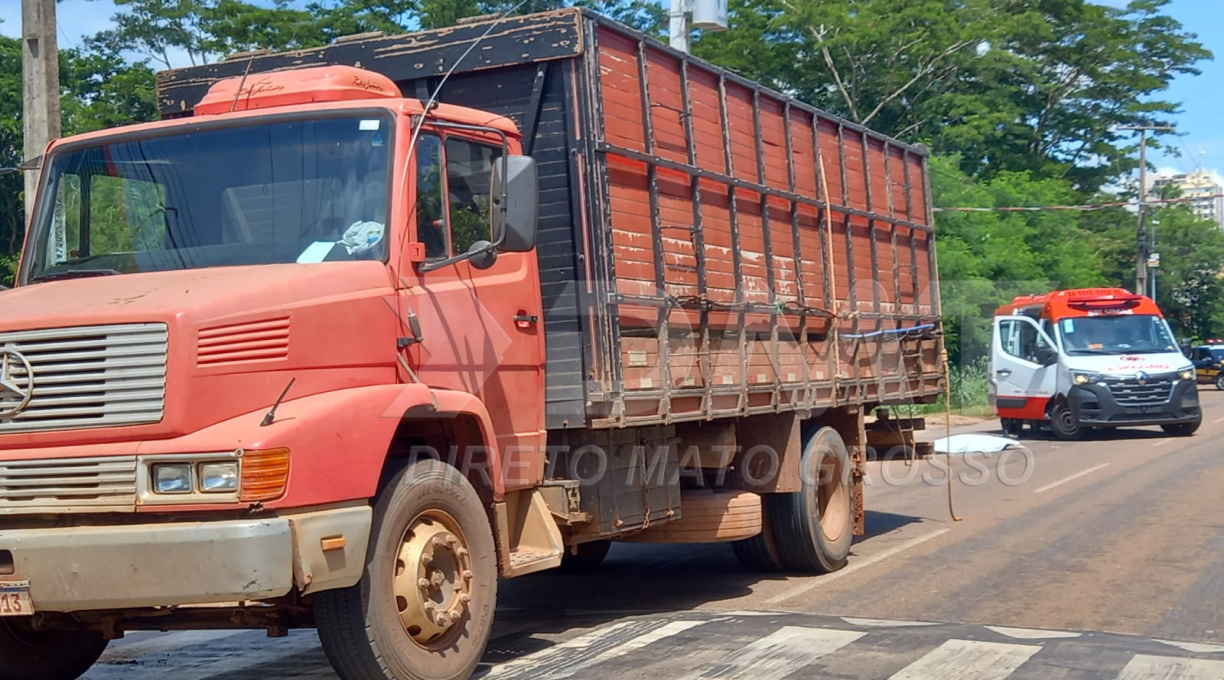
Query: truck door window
[[469, 168], [430, 219], [66, 221]]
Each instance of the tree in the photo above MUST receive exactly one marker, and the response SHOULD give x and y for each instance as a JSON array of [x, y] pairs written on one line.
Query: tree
[[1006, 85]]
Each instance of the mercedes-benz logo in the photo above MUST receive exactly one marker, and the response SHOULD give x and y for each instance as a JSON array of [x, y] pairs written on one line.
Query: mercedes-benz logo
[[16, 382], [1141, 378]]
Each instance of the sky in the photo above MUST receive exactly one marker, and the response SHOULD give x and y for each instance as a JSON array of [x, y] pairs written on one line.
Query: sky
[[1200, 138]]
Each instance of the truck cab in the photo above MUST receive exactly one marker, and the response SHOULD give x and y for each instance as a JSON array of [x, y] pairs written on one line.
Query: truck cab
[[1077, 360]]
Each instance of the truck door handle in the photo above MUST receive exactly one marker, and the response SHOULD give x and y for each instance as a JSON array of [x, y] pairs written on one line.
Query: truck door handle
[[1004, 372], [525, 320]]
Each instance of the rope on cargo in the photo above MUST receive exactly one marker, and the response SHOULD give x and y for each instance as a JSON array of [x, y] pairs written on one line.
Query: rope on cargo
[[910, 331]]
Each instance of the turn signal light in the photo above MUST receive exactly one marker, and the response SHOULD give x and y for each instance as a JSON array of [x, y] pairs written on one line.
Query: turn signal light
[[265, 472]]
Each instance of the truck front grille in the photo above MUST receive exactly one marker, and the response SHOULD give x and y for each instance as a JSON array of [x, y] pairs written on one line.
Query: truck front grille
[[88, 376], [1154, 392], [83, 484]]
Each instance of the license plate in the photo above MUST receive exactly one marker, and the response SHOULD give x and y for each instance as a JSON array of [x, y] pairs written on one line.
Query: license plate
[[15, 599]]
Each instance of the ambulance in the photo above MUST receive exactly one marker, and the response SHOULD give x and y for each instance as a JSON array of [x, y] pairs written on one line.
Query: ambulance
[[1074, 361]]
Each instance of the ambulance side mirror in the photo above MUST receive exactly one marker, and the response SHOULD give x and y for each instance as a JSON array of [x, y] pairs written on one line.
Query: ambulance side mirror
[[1046, 355]]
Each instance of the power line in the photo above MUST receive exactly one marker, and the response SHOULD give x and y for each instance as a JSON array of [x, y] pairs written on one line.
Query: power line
[[1087, 207]]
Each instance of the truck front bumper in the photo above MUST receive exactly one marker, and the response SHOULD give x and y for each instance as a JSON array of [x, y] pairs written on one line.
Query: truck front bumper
[[158, 565], [1097, 406]]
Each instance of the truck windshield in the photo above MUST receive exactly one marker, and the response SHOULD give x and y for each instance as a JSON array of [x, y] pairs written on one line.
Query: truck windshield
[[1121, 334], [212, 196]]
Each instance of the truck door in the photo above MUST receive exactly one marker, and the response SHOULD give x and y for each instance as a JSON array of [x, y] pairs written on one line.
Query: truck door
[[482, 326], [1023, 365]]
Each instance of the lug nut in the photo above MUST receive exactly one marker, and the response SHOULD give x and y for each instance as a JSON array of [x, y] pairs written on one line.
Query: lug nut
[[424, 583], [444, 620], [467, 574]]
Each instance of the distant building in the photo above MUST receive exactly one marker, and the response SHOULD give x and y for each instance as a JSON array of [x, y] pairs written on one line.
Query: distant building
[[1201, 186]]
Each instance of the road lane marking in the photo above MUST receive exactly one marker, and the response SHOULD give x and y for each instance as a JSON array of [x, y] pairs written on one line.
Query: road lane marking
[[968, 660], [579, 654], [816, 581], [885, 623], [1147, 667], [1218, 420], [1071, 478], [1196, 647], [1032, 633], [1162, 442], [776, 655]]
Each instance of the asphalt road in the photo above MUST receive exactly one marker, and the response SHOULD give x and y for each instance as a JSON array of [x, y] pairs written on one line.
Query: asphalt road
[[1111, 547]]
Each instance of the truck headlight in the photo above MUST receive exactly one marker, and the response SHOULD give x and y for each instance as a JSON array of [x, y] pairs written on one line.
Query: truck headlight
[[170, 478], [1084, 378], [1186, 374], [221, 477]]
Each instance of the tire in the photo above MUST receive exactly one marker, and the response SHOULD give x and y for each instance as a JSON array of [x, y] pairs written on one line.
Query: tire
[[28, 654], [428, 516], [1012, 427], [708, 517], [813, 528], [1064, 425], [759, 553], [585, 556], [1219, 381], [1183, 429]]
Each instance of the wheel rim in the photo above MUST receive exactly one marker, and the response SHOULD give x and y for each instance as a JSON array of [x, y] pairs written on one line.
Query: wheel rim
[[1220, 382], [433, 579], [1066, 421], [832, 498]]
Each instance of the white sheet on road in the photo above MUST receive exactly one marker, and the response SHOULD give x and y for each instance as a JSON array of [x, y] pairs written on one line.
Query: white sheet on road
[[975, 443]]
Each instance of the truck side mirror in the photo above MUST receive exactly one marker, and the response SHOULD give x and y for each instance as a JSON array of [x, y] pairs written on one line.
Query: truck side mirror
[[515, 197]]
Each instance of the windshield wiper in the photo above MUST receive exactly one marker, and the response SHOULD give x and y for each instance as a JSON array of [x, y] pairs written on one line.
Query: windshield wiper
[[74, 274]]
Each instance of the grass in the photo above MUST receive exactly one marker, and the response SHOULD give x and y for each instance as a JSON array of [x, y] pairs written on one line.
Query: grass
[[969, 391]]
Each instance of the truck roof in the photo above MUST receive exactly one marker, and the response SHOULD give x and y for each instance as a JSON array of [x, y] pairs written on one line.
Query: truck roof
[[1061, 304], [316, 88]]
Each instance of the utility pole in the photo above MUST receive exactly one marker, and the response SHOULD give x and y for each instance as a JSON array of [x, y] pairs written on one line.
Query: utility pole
[[1141, 276], [40, 85], [686, 15], [680, 28]]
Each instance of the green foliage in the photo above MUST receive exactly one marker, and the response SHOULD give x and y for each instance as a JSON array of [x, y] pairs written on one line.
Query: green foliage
[[1006, 85]]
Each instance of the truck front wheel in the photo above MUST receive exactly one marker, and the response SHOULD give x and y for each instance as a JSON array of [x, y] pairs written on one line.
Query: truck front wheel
[[424, 607], [28, 654], [812, 529]]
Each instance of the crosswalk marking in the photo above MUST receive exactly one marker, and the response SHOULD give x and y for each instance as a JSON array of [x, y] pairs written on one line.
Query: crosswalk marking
[[778, 654], [1148, 667], [1032, 633], [968, 660], [568, 658]]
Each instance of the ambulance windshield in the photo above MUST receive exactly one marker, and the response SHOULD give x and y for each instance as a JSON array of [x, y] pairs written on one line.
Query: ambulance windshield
[[1115, 334]]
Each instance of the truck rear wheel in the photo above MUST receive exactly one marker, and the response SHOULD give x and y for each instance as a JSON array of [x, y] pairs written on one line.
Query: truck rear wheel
[[585, 556], [28, 654], [759, 553], [1219, 381], [814, 527], [424, 607]]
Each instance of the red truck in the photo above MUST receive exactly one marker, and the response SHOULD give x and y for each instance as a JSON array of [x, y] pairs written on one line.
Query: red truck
[[353, 331]]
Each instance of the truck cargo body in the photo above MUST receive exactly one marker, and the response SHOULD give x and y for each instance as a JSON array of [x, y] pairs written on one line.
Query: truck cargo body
[[708, 248]]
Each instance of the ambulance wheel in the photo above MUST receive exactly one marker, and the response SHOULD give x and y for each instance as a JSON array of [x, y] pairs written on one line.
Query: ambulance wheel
[[1012, 427], [1183, 429], [1066, 428], [1219, 381]]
